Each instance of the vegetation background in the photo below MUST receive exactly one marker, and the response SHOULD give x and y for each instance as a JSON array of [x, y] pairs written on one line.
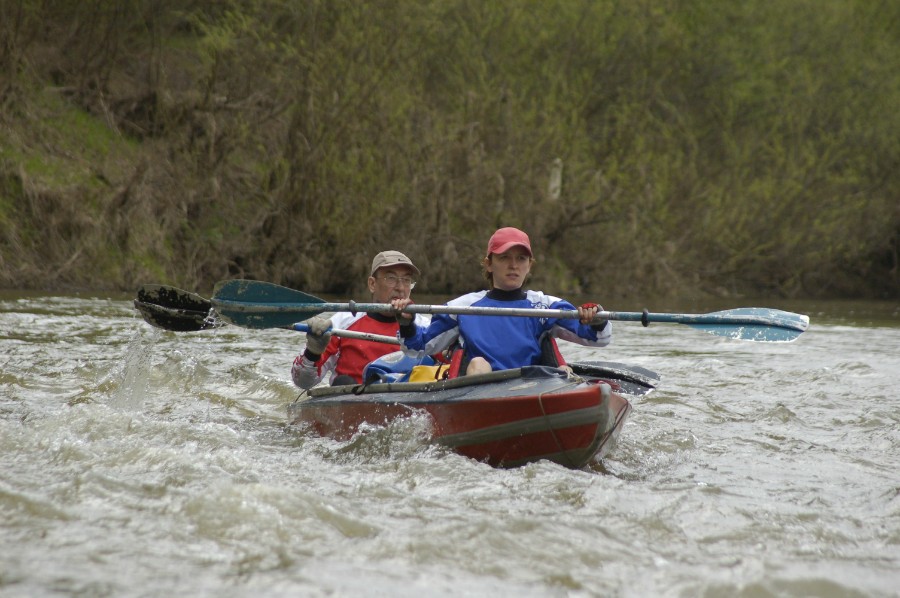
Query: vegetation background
[[647, 146]]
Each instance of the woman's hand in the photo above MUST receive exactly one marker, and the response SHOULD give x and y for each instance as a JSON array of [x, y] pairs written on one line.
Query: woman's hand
[[586, 314]]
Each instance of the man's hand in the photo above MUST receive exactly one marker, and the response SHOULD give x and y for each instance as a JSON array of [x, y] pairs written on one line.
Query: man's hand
[[403, 318], [319, 334]]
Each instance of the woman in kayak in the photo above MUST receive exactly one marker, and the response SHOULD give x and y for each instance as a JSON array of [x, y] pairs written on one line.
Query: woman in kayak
[[500, 342]]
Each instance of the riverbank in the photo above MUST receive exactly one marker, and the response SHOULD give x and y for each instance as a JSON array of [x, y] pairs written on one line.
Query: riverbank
[[749, 149]]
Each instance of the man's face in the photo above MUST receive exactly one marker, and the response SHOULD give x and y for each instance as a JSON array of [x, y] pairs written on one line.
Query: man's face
[[391, 282]]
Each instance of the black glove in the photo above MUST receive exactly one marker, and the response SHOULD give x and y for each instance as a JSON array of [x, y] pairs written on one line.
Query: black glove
[[598, 325]]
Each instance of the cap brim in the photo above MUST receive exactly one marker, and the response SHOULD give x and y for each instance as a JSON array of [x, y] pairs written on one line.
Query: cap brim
[[507, 246], [407, 264]]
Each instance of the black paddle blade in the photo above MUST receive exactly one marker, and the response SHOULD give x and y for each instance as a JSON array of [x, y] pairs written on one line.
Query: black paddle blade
[[173, 298], [173, 309], [630, 379]]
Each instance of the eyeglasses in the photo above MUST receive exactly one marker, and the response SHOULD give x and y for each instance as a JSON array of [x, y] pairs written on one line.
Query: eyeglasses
[[394, 280]]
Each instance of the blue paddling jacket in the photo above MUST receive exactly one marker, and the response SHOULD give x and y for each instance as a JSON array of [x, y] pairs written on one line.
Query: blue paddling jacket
[[506, 342]]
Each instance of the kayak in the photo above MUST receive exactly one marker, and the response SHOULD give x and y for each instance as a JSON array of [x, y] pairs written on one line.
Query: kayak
[[502, 418], [506, 418]]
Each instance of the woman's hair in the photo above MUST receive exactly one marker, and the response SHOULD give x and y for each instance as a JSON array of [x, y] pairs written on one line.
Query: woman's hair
[[488, 276]]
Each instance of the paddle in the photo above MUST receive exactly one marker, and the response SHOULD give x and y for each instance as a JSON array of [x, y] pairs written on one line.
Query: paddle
[[174, 309], [256, 304]]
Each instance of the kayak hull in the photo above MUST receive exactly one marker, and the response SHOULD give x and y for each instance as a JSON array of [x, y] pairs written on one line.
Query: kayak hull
[[505, 419]]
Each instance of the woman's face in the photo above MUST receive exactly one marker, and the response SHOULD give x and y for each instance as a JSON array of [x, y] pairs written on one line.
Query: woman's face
[[510, 268]]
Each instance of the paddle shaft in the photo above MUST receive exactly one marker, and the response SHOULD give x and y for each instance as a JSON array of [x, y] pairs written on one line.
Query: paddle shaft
[[363, 336], [256, 304], [385, 308]]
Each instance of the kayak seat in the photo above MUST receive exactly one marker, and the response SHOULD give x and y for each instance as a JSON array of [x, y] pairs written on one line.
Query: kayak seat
[[550, 357], [343, 380], [459, 361]]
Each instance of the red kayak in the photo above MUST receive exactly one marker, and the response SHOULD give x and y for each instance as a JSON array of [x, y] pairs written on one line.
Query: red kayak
[[506, 418]]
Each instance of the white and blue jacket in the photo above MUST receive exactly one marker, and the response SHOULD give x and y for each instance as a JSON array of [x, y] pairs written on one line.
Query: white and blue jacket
[[506, 342]]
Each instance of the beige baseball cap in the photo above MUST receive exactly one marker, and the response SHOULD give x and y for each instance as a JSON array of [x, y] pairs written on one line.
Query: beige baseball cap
[[392, 258]]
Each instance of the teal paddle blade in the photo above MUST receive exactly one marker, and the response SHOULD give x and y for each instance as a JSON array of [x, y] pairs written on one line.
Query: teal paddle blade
[[753, 324], [251, 304]]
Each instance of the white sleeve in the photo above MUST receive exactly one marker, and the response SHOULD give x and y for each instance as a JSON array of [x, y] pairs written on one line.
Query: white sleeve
[[304, 372]]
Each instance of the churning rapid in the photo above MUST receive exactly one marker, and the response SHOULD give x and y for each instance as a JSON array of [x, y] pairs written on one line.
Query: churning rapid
[[138, 462]]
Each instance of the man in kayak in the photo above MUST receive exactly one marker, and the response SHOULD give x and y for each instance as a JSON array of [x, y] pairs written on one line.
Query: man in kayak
[[342, 360], [500, 342]]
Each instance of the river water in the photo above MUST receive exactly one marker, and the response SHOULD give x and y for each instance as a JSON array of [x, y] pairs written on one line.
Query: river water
[[138, 462]]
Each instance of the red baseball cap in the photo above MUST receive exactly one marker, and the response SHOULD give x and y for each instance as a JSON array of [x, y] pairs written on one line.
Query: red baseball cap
[[506, 238]]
